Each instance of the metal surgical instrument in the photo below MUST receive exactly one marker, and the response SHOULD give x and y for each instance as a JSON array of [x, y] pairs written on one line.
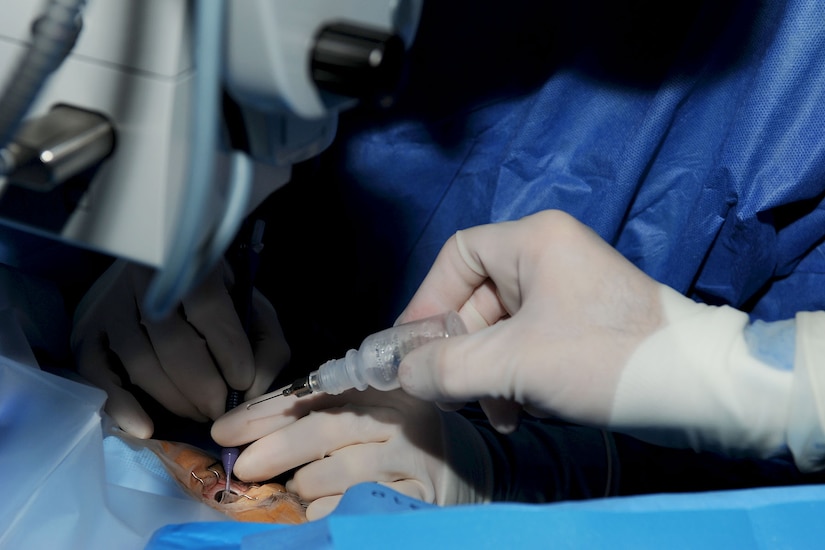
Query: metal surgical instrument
[[376, 362]]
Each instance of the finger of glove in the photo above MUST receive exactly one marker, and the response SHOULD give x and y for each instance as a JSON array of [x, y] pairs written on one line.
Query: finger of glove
[[505, 253], [503, 414], [401, 456], [137, 355], [210, 310], [258, 417], [265, 414], [452, 283], [127, 413], [311, 438], [348, 466], [452, 406], [92, 360], [184, 357], [461, 369], [270, 348], [412, 488], [322, 507]]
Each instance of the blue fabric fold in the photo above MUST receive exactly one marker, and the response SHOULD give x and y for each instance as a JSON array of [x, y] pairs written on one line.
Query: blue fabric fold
[[373, 516], [712, 180], [365, 499]]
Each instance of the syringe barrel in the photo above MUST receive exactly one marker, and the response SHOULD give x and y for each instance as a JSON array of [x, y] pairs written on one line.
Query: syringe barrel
[[376, 362]]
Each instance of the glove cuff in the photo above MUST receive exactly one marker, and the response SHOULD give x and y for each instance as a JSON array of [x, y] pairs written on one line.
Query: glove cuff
[[698, 382], [467, 477], [806, 423]]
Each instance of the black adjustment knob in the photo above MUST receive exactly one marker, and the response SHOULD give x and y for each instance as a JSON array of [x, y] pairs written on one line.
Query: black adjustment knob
[[356, 61]]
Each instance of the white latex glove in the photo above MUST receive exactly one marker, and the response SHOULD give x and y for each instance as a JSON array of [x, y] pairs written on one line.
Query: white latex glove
[[341, 440], [562, 324], [185, 361]]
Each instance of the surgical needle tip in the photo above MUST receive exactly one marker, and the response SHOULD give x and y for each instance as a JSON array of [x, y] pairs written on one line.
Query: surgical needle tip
[[265, 399]]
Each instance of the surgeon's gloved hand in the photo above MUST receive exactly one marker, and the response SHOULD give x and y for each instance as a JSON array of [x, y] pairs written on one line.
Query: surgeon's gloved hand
[[554, 314], [337, 441], [184, 361], [561, 324]]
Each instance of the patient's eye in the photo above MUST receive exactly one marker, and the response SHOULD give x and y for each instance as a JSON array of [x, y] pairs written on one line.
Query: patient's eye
[[202, 476]]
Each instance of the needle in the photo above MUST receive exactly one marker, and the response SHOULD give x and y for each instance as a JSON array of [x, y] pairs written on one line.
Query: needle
[[300, 388], [265, 399]]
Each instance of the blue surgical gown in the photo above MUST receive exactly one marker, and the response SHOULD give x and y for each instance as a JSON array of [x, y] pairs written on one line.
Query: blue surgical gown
[[690, 137], [707, 172]]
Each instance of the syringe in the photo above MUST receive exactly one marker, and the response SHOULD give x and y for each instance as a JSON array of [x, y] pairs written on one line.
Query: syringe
[[375, 362]]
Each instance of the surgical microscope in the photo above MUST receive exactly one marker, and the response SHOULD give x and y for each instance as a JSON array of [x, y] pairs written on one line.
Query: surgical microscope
[[148, 129], [145, 129]]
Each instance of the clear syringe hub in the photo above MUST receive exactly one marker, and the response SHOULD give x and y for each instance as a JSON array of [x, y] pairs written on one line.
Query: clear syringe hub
[[375, 362]]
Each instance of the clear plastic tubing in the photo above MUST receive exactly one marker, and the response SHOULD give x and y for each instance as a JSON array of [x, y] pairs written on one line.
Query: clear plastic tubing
[[376, 362]]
